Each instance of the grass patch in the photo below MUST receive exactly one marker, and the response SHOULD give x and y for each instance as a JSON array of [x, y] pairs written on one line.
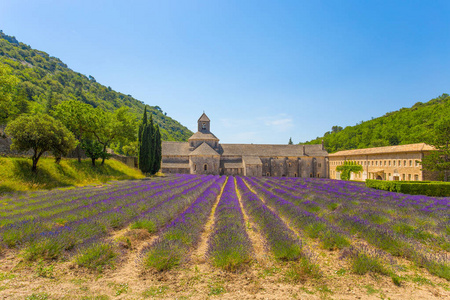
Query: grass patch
[[4, 276], [120, 288], [149, 225], [16, 175], [101, 297], [216, 288], [97, 257], [363, 264], [38, 296], [300, 271], [163, 259], [371, 290], [269, 271], [44, 271], [230, 259], [155, 291]]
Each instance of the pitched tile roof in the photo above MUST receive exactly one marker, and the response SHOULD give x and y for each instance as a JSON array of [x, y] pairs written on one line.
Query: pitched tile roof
[[204, 149], [203, 136], [252, 160], [204, 117], [232, 165], [270, 150], [175, 148], [388, 149]]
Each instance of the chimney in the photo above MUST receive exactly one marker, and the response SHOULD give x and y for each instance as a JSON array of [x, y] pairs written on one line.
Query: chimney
[[323, 148], [304, 152]]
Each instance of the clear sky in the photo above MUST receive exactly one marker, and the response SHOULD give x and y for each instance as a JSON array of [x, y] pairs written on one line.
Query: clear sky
[[263, 71]]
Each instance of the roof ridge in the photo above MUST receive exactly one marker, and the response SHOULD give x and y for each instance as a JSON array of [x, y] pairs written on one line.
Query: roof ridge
[[204, 149]]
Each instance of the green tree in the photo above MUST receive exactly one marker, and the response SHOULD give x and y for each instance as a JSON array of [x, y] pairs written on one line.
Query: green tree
[[152, 150], [118, 126], [40, 133], [290, 141], [157, 150], [78, 117], [8, 84], [347, 168], [94, 150], [143, 147], [439, 160], [336, 128], [131, 149]]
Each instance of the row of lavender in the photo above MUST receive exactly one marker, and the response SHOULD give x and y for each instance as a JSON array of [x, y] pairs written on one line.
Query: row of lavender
[[88, 219], [414, 227]]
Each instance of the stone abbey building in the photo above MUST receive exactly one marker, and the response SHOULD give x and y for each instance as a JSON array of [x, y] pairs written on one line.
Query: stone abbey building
[[203, 154]]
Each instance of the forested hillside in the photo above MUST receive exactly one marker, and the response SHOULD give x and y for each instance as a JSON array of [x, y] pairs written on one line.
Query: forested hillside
[[405, 126], [38, 82]]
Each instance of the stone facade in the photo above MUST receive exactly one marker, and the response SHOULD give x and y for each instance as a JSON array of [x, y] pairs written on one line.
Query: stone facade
[[385, 163], [203, 154]]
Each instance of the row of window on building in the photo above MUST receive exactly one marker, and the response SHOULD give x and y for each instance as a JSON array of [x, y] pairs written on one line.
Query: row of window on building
[[404, 177], [319, 165], [406, 163]]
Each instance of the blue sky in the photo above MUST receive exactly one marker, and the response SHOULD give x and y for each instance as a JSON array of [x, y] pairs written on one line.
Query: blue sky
[[263, 71]]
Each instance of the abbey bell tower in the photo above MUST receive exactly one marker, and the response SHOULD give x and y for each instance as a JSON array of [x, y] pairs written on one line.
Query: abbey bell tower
[[203, 123]]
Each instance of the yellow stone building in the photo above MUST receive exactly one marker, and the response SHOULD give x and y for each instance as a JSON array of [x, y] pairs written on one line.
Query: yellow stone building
[[385, 163]]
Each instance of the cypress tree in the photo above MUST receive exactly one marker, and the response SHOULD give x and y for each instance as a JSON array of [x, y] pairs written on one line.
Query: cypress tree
[[158, 150], [151, 145], [143, 144]]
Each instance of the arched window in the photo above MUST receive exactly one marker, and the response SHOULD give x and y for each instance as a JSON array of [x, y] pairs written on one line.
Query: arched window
[[203, 125], [205, 167], [295, 174]]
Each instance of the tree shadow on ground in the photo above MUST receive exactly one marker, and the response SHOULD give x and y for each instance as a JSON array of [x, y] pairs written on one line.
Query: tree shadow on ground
[[40, 179]]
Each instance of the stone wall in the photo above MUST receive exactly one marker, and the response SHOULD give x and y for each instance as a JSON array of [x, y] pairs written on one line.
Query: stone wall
[[5, 146], [175, 170], [130, 161], [253, 170], [197, 164]]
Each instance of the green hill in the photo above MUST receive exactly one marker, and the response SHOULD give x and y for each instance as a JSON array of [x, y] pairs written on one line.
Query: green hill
[[405, 126], [44, 81]]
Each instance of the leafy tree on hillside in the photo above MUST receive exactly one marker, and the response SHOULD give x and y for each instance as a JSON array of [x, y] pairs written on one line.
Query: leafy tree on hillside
[[336, 128], [40, 133], [94, 150], [119, 126], [78, 117], [131, 149], [439, 160], [8, 84]]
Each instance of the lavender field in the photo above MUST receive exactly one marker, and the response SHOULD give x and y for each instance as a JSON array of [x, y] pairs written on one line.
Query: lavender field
[[231, 224]]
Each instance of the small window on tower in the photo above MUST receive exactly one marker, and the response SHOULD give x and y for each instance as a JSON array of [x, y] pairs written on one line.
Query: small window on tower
[[203, 125]]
